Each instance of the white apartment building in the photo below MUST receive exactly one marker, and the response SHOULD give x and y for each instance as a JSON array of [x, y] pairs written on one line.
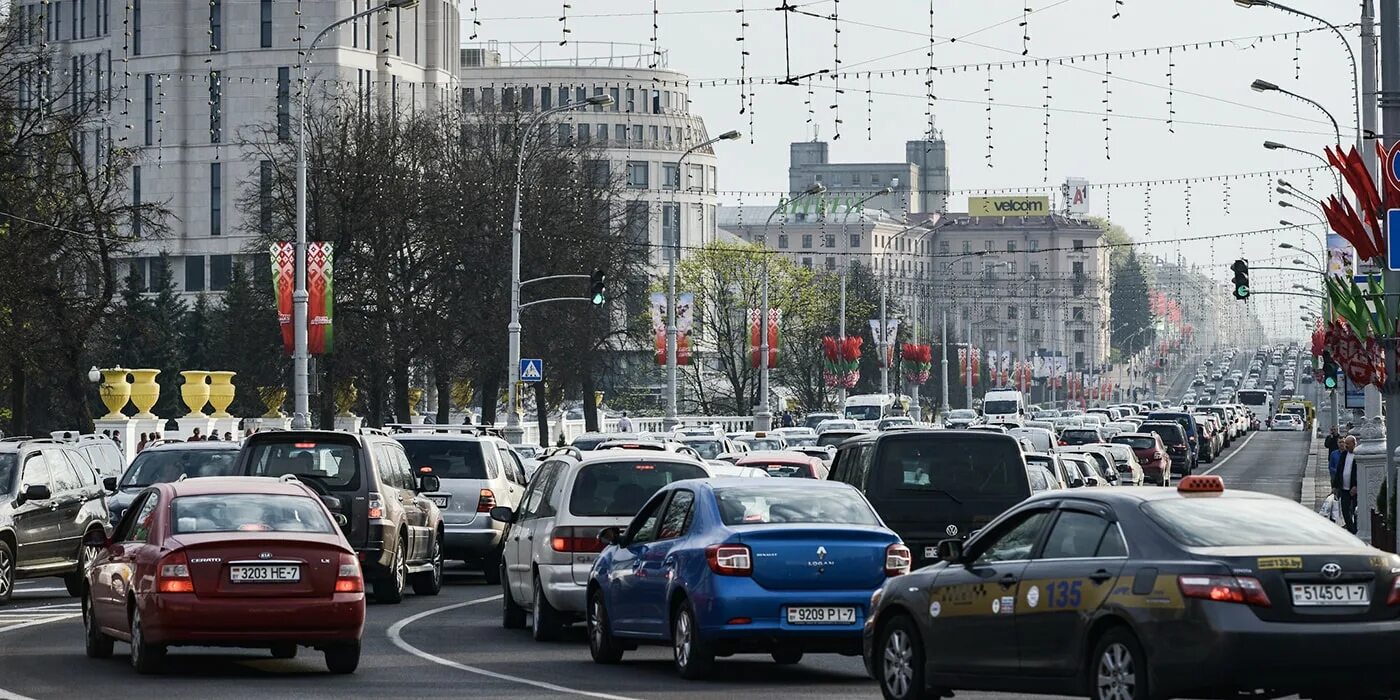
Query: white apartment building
[[640, 136], [182, 82]]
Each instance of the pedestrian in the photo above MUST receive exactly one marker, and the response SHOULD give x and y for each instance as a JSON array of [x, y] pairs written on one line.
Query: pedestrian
[[117, 438], [213, 436], [67, 436], [228, 435], [1344, 479], [195, 436], [1332, 443], [142, 445], [788, 421], [624, 424], [560, 442]]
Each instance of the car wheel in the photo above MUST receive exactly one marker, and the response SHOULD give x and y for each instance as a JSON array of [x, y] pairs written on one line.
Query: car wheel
[[491, 566], [146, 658], [98, 645], [284, 651], [1118, 669], [694, 658], [512, 615], [601, 643], [787, 657], [545, 623], [7, 572], [343, 658], [74, 581], [430, 582], [390, 588], [899, 665]]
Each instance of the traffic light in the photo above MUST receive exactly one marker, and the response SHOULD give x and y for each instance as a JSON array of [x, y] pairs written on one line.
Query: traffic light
[[1241, 269], [1329, 370], [599, 287]]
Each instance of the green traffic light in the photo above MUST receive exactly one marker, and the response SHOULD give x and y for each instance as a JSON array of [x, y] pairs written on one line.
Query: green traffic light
[[598, 299], [1330, 382]]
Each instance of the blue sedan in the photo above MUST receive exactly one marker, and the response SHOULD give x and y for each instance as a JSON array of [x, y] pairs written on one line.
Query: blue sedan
[[732, 566]]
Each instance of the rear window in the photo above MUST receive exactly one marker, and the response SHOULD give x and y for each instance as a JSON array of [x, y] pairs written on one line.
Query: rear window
[[620, 489], [832, 439], [7, 471], [449, 459], [334, 464], [708, 449], [1137, 443], [783, 469], [247, 512], [762, 444], [1171, 434], [747, 505], [960, 467], [166, 466], [1244, 522]]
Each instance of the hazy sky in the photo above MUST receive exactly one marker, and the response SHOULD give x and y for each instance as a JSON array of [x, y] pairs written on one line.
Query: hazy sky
[[1219, 126]]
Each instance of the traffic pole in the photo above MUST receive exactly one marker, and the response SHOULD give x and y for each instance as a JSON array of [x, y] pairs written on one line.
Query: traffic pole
[[1390, 115]]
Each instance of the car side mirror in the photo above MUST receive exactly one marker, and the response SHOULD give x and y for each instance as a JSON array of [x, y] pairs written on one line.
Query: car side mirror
[[950, 551], [503, 514], [332, 504], [110, 484], [96, 538], [609, 535], [1076, 484], [429, 482], [37, 492]]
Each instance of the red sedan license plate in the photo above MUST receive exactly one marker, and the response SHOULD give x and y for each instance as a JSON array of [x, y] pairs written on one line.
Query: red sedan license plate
[[265, 573]]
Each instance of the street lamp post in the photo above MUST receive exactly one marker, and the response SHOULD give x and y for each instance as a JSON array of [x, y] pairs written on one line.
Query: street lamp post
[[672, 407], [845, 270], [1266, 86], [882, 342], [301, 354], [514, 433], [763, 415]]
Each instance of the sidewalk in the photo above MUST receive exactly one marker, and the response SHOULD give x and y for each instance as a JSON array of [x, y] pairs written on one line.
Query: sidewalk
[[1317, 483]]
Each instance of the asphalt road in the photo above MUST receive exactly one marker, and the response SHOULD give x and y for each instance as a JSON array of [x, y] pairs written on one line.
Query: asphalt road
[[453, 645]]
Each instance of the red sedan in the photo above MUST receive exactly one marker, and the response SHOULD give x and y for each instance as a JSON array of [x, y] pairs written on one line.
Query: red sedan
[[786, 464], [250, 562], [1151, 454]]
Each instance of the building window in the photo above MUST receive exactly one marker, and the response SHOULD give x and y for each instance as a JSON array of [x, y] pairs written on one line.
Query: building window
[[1078, 289], [830, 264], [807, 263], [216, 24], [136, 201], [284, 103], [1036, 336], [637, 134], [1011, 246], [1079, 336], [989, 313], [1077, 268], [566, 134], [965, 313], [638, 174], [806, 241], [616, 95], [638, 222], [1079, 360], [220, 272], [580, 94], [1034, 244], [216, 199], [1035, 313], [619, 133], [670, 176], [148, 99], [265, 25], [1078, 313], [782, 241], [82, 22], [1078, 244], [598, 172], [216, 107], [944, 248], [967, 267], [398, 31], [829, 240], [1011, 268], [855, 241], [987, 245], [947, 268], [989, 339], [655, 135], [1035, 269], [265, 197], [670, 229], [1011, 313], [967, 247], [194, 273]]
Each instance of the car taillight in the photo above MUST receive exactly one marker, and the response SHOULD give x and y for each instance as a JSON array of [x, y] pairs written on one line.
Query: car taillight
[[376, 506], [730, 559], [897, 560], [1063, 443], [174, 574], [1226, 589], [575, 539], [1394, 597], [486, 501], [349, 579]]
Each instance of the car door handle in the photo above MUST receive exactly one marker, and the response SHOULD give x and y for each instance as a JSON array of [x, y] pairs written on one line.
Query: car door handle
[[1008, 580], [1100, 576]]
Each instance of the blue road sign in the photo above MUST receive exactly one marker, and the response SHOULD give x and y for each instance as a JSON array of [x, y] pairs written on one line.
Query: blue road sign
[[531, 370], [1392, 233]]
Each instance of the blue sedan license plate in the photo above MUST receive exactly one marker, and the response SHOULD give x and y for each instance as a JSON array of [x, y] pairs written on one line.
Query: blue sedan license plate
[[812, 615]]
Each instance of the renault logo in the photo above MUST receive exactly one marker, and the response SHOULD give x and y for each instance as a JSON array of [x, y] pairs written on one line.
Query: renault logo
[[821, 552], [265, 555], [952, 530], [1331, 570]]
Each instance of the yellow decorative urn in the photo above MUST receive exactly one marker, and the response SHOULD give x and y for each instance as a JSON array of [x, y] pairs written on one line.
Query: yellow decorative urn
[[221, 393], [115, 392], [345, 395], [145, 392], [415, 397], [273, 397], [195, 392]]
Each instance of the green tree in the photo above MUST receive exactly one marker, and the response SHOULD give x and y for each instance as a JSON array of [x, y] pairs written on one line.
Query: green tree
[[1130, 309], [248, 340]]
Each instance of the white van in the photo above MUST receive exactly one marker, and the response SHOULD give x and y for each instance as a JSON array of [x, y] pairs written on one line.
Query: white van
[[868, 409], [1004, 406]]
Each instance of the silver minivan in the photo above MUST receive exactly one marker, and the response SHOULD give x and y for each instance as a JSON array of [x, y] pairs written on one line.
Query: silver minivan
[[552, 538], [478, 473]]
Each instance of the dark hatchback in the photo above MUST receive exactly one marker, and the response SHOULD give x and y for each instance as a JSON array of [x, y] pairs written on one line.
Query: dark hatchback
[[930, 485], [166, 463], [1145, 592], [1189, 426]]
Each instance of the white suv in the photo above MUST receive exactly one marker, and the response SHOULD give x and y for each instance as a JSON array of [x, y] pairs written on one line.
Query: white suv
[[552, 539]]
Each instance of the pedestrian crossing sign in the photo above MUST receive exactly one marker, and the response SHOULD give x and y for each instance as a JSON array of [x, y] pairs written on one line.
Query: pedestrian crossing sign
[[531, 370]]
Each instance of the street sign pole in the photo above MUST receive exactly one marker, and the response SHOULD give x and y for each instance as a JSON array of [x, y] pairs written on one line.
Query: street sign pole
[[1390, 102]]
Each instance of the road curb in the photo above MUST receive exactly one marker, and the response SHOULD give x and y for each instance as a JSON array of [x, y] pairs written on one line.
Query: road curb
[[1317, 483]]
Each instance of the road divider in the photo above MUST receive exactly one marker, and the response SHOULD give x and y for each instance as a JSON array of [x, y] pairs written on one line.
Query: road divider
[[396, 636]]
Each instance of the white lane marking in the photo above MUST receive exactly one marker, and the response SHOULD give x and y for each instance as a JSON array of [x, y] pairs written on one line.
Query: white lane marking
[[59, 589], [396, 637], [7, 695], [42, 621], [1222, 462]]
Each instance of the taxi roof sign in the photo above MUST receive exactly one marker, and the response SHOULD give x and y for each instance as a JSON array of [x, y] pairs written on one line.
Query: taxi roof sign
[[1206, 483]]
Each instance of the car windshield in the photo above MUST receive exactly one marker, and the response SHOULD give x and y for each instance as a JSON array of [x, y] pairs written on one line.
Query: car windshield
[[7, 471], [758, 444], [1137, 443], [863, 412], [620, 489], [999, 407], [1245, 522], [708, 449], [249, 512], [774, 503], [962, 414], [166, 466], [449, 459], [958, 465], [332, 463]]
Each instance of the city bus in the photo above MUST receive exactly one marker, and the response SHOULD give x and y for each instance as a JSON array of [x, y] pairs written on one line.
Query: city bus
[[1259, 402]]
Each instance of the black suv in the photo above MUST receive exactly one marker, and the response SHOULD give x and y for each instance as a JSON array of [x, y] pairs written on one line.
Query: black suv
[[50, 499], [932, 485], [365, 478]]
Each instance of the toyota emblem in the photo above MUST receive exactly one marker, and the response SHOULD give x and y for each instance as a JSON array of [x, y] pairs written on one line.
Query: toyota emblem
[[265, 555], [952, 530], [1332, 570]]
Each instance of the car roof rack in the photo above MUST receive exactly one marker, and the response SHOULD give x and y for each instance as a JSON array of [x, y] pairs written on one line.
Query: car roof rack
[[163, 441], [567, 450], [444, 429], [17, 438], [374, 431]]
